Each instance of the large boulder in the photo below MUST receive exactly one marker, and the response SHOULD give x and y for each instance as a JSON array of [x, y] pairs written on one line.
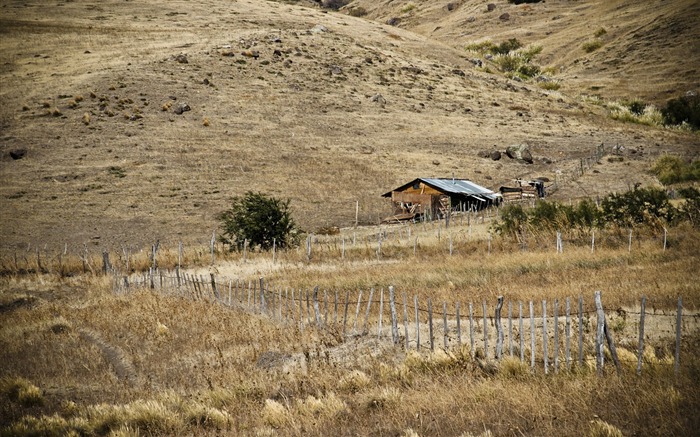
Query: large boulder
[[521, 152]]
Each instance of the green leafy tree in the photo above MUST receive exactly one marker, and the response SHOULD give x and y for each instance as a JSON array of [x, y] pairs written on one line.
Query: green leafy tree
[[685, 109], [260, 219]]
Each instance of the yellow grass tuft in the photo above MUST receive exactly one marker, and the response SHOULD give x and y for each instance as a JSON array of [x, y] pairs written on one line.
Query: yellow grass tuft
[[325, 406], [600, 428], [205, 122], [22, 391], [275, 414], [355, 381], [86, 118]]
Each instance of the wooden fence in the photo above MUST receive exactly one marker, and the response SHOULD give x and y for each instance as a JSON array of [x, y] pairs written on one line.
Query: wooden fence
[[561, 336]]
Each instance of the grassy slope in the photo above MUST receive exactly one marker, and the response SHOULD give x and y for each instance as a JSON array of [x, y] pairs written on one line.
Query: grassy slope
[[301, 125]]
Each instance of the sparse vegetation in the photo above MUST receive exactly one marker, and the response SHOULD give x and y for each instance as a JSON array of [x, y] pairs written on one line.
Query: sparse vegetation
[[592, 45], [683, 110], [673, 169]]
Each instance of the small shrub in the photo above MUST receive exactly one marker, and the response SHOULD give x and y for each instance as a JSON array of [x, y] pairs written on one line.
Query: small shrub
[[600, 32], [480, 47], [358, 12], [672, 169], [506, 47], [642, 206], [275, 414], [600, 428], [408, 8], [22, 391], [591, 46], [260, 219], [117, 172], [685, 109], [551, 85]]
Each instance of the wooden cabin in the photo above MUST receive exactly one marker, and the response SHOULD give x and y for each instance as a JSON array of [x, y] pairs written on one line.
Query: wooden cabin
[[435, 197]]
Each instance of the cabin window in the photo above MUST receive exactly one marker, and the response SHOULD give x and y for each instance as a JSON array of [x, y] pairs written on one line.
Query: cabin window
[[416, 186]]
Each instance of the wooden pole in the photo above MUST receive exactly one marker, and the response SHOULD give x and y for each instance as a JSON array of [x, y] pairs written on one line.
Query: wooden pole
[[415, 304], [471, 328], [499, 329], [580, 330], [532, 336], [317, 311], [486, 332], [357, 312], [521, 331], [544, 336], [345, 313], [600, 333], [445, 331], [369, 303], [510, 327], [568, 334], [459, 327], [405, 319], [394, 317], [381, 313], [430, 325], [679, 319], [641, 336], [556, 335]]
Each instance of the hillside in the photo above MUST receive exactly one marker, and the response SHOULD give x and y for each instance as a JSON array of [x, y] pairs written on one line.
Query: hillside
[[141, 120]]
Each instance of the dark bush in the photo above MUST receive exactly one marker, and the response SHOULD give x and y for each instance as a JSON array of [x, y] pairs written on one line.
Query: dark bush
[[513, 220], [259, 219], [646, 205], [685, 109], [672, 169], [506, 47]]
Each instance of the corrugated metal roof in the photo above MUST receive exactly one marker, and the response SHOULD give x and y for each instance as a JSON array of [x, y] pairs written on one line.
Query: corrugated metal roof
[[454, 186]]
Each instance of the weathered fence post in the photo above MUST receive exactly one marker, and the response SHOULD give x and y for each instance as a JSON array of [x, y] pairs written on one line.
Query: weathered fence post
[[641, 336], [357, 312], [521, 332], [394, 318], [317, 311], [430, 325], [471, 328], [213, 286], [365, 328], [405, 318], [459, 326], [580, 330], [556, 335], [600, 333], [381, 313], [532, 336], [510, 327], [445, 331], [486, 331], [345, 313], [499, 329], [568, 334], [679, 319], [415, 304], [545, 339]]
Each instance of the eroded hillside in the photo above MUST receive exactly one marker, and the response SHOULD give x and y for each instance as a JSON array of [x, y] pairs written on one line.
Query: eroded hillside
[[140, 120]]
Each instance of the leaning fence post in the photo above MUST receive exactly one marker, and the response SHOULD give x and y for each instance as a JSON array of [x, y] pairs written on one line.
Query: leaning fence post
[[357, 312], [459, 326], [580, 330], [394, 318], [676, 365], [345, 312], [499, 329], [600, 333], [365, 329]]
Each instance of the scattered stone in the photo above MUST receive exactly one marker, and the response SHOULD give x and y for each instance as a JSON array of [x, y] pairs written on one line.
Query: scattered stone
[[477, 62], [451, 7], [277, 53], [471, 19], [483, 154], [504, 17], [181, 107], [458, 72], [436, 162], [547, 161], [251, 53], [228, 53], [319, 28], [495, 155], [18, 153], [181, 59], [491, 7], [393, 21], [521, 152], [336, 70], [378, 98]]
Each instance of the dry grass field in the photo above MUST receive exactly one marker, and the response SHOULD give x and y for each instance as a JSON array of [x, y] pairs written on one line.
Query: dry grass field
[[139, 121]]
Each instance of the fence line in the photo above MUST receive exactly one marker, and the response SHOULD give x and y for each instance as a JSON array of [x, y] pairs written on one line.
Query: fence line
[[309, 309]]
